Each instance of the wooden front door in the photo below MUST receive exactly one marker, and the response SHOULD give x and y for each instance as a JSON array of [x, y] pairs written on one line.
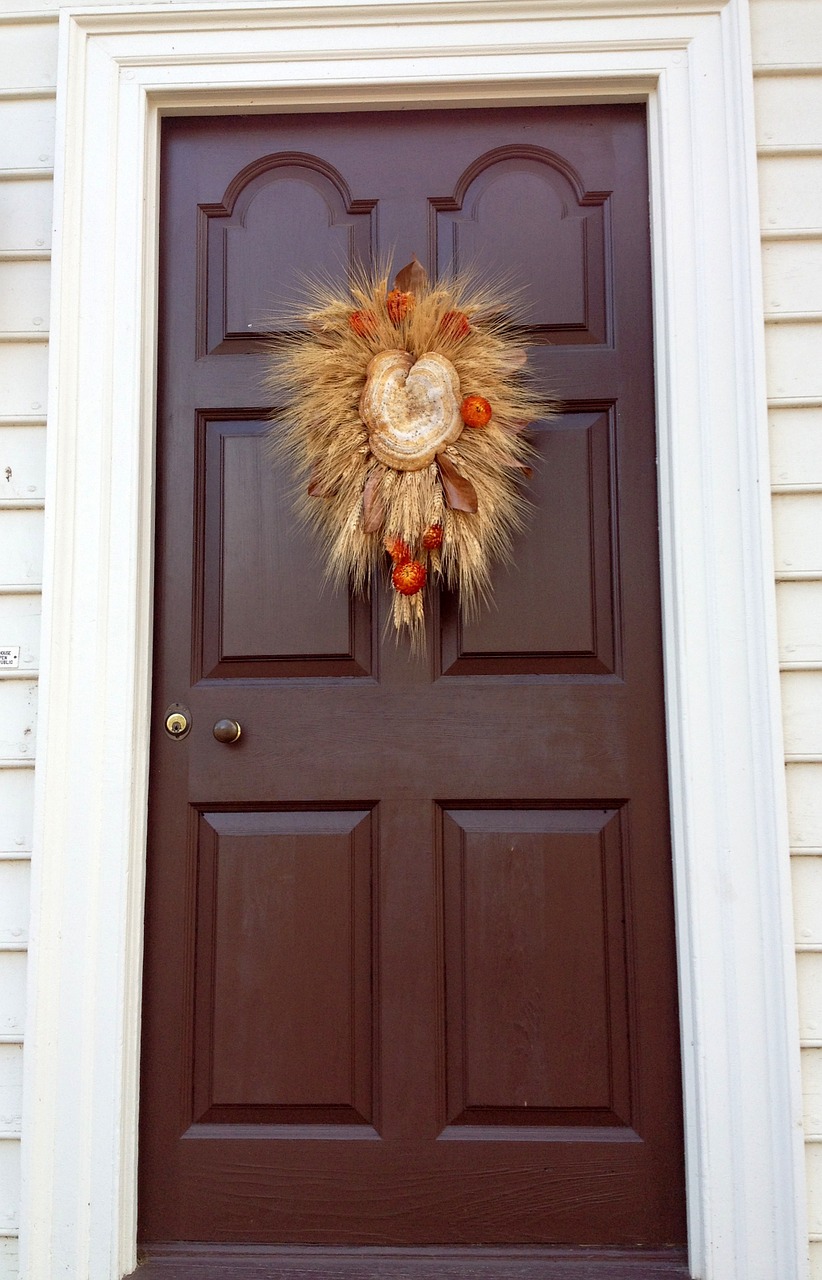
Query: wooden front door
[[410, 974]]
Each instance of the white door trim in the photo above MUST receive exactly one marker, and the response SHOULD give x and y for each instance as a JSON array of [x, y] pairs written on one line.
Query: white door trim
[[120, 70]]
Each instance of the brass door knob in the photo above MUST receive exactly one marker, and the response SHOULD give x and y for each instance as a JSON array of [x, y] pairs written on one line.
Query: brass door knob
[[226, 731]]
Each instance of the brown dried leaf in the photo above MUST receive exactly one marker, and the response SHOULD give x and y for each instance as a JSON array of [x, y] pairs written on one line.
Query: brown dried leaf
[[373, 511], [413, 278], [460, 494]]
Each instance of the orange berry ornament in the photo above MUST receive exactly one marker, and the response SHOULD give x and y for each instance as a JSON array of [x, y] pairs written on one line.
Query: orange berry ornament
[[409, 578], [363, 323], [398, 550], [475, 411], [455, 324], [432, 538], [398, 304]]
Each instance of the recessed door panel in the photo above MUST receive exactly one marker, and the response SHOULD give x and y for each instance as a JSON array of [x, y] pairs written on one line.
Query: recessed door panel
[[284, 968], [268, 609], [554, 605], [535, 967], [282, 211], [521, 215]]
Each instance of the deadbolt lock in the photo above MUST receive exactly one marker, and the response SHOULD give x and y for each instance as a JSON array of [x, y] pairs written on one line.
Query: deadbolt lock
[[178, 721]]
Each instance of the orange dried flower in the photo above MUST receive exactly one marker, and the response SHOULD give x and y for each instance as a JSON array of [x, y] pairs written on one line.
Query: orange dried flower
[[409, 578], [432, 538], [363, 323], [475, 411], [455, 324], [398, 304], [398, 550]]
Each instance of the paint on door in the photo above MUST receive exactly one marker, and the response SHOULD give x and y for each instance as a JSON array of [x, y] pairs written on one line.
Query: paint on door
[[410, 972]]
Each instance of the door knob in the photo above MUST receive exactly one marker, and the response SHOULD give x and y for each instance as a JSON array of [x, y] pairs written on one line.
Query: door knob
[[226, 731]]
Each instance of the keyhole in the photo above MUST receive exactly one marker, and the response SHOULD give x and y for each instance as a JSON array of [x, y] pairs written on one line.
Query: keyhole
[[177, 723]]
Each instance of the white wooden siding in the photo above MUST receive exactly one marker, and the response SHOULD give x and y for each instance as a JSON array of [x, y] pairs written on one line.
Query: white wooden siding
[[23, 375], [20, 619], [12, 998], [787, 51], [800, 632], [797, 522], [25, 214], [787, 43], [794, 367], [28, 56], [27, 140], [805, 806], [14, 906], [16, 812], [789, 192], [786, 33], [11, 1080], [788, 112], [18, 721], [796, 442], [802, 713], [24, 296], [792, 276], [9, 1184], [11, 1083]]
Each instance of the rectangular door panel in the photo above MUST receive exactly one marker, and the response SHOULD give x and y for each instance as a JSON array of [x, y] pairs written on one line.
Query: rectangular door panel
[[554, 604], [283, 998], [282, 211], [519, 211], [267, 608], [538, 1021]]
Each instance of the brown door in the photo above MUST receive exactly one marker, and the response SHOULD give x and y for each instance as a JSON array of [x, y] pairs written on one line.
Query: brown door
[[410, 969]]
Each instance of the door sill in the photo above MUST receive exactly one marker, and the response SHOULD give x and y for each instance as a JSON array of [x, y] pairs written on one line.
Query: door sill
[[307, 1262]]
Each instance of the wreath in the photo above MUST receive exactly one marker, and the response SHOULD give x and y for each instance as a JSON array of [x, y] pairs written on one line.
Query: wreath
[[403, 411]]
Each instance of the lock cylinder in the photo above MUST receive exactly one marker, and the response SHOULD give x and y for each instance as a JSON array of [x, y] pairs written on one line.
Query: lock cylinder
[[177, 720]]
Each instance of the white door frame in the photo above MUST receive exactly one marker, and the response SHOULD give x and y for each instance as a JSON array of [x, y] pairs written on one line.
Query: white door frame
[[120, 70]]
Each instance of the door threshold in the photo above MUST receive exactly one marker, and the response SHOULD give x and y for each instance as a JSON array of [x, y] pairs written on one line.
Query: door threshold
[[308, 1262]]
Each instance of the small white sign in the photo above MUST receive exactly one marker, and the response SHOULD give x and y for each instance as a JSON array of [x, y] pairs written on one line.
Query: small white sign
[[10, 657]]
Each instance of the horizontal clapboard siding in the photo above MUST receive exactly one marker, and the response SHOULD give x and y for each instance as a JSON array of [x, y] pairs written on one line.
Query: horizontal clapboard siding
[[28, 54], [787, 49]]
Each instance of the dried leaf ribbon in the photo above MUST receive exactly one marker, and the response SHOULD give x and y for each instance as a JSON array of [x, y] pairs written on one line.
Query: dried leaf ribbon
[[460, 494], [413, 278], [373, 509]]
